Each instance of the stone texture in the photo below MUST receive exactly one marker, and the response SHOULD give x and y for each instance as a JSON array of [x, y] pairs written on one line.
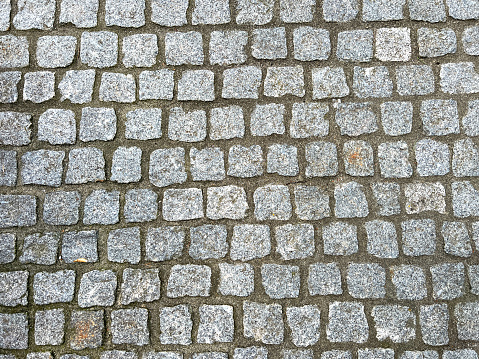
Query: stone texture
[[280, 281], [189, 280], [267, 120], [358, 158], [463, 10], [263, 322], [182, 204], [236, 279], [340, 238], [130, 326], [245, 161], [308, 120], [17, 211], [432, 158], [40, 249], [281, 81], [77, 86], [295, 241], [228, 47], [347, 323], [126, 165], [250, 241], [55, 51], [272, 202], [155, 85], [439, 117], [321, 158], [13, 331], [414, 80], [366, 280], [427, 10], [80, 246], [196, 85], [418, 237], [123, 245], [169, 13], [372, 82], [383, 10], [436, 42], [324, 279], [329, 82], [448, 281], [184, 48], [7, 247], [311, 203], [269, 43], [13, 290], [467, 322], [226, 202], [409, 282], [350, 200], [393, 44], [382, 239], [340, 10], [140, 285], [167, 166], [57, 127], [241, 82], [164, 243], [49, 327], [53, 287], [116, 87], [211, 12], [423, 197], [226, 123], [459, 78], [355, 45], [39, 86], [102, 207], [304, 324], [87, 329], [216, 324], [434, 322], [309, 43], [32, 14], [176, 325], [393, 160], [15, 51], [186, 126], [207, 164], [97, 123], [208, 241], [85, 165], [394, 322], [465, 158], [99, 49], [42, 167], [97, 288], [129, 13], [8, 86], [81, 14], [355, 119]]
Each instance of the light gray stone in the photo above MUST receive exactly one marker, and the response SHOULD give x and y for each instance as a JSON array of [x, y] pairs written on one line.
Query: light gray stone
[[55, 51], [382, 239], [465, 199], [189, 280], [432, 158], [418, 237], [15, 51], [355, 45], [250, 241], [321, 158], [99, 49], [143, 124], [80, 247], [448, 281], [176, 325], [409, 282], [34, 14], [304, 323], [281, 81], [156, 85], [340, 239], [228, 47], [272, 202], [6, 8], [8, 165], [130, 326], [39, 86], [375, 353], [42, 167], [267, 120], [167, 166], [366, 280], [207, 164], [414, 80], [15, 128], [470, 122], [467, 323], [8, 86], [226, 123], [254, 12], [102, 207], [186, 126], [427, 10], [141, 205], [393, 44], [459, 78], [139, 50], [355, 119], [456, 239], [77, 86], [309, 120], [460, 354], [297, 354], [211, 12], [57, 127], [245, 161], [269, 43], [97, 288], [126, 165], [280, 281], [394, 322], [97, 124], [350, 200], [13, 288], [387, 198], [117, 87], [7, 247], [226, 202], [81, 14], [85, 165], [208, 241], [123, 245], [340, 10], [169, 12], [53, 287], [310, 43], [295, 241], [216, 324], [263, 322], [236, 279], [435, 42], [465, 158], [324, 279], [383, 10], [393, 160], [470, 41], [17, 210], [241, 82], [329, 82], [196, 85], [184, 48], [40, 248], [473, 270], [283, 160], [164, 243], [182, 204], [347, 323], [13, 331], [294, 11], [423, 197], [118, 354], [434, 322], [49, 327], [336, 354], [162, 355], [463, 9], [125, 13], [358, 158], [372, 82]]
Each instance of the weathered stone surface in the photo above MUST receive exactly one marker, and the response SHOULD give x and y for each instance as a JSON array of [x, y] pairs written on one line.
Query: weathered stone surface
[[347, 323], [263, 322], [436, 42]]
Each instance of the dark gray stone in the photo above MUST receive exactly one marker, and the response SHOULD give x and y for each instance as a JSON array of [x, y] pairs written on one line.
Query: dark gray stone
[[49, 327], [17, 211], [130, 326], [42, 167], [13, 331], [40, 249], [140, 285], [53, 287], [80, 246], [189, 280], [164, 243]]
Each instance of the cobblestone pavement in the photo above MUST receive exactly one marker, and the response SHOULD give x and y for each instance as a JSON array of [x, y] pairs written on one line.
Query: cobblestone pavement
[[243, 179]]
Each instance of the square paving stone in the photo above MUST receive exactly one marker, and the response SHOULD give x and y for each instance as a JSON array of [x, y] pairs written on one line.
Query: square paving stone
[[118, 354], [8, 86], [49, 326], [448, 281], [176, 325], [358, 158], [426, 354], [355, 119], [169, 13], [269, 43], [57, 127], [143, 124], [434, 322], [228, 47], [17, 210], [459, 78], [372, 82], [97, 288], [336, 354], [164, 243], [422, 197], [4, 26], [465, 199], [366, 280], [245, 162], [125, 13], [263, 322], [32, 14], [427, 10], [53, 287], [130, 326], [77, 86], [13, 288], [13, 331], [241, 82], [294, 11], [207, 164], [432, 158], [470, 122], [216, 324], [460, 353], [15, 53], [340, 10], [329, 82], [470, 40], [186, 126], [117, 87], [311, 203], [139, 50], [295, 241], [272, 202], [55, 51], [286, 80], [123, 245], [439, 117], [102, 207], [321, 158], [254, 12], [310, 43], [80, 246], [355, 45], [463, 10], [324, 279], [393, 44], [309, 119], [81, 14], [8, 163], [42, 167], [386, 195], [280, 281], [226, 123], [304, 323], [167, 166], [15, 128], [87, 329], [208, 241], [141, 205], [126, 165], [39, 86], [40, 355], [383, 10], [375, 353], [196, 85], [418, 237], [473, 275], [236, 279], [350, 200], [184, 48], [211, 12], [467, 315], [414, 80], [140, 285], [250, 352], [396, 118], [465, 158], [7, 247], [85, 165], [156, 85], [347, 323], [40, 249], [393, 160], [226, 202], [182, 204], [394, 322], [250, 241], [189, 280], [97, 124], [456, 239], [340, 239], [99, 49], [435, 42], [382, 239]]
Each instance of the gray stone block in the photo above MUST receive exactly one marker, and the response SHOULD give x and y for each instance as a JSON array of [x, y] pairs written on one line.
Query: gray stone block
[[15, 53], [15, 128], [182, 204], [366, 280], [418, 237], [414, 80], [294, 11], [375, 353], [409, 282], [176, 325], [467, 315], [216, 324], [324, 279], [456, 239], [42, 167], [383, 10], [321, 158], [372, 82], [7, 247], [164, 243], [463, 10], [432, 157], [81, 14], [329, 82], [13, 331], [156, 85], [211, 12], [85, 165], [263, 322], [336, 354], [311, 203], [226, 202], [4, 26], [139, 50], [434, 322], [126, 165], [241, 82], [465, 161], [394, 322], [57, 127], [245, 162], [286, 80], [208, 241], [140, 285], [304, 323], [186, 126], [97, 123], [8, 164], [99, 49], [49, 327], [347, 323], [460, 354], [382, 239], [295, 241], [387, 197], [448, 281], [355, 45], [436, 42], [123, 245], [350, 200], [17, 211], [236, 279], [228, 47], [269, 43], [470, 122], [254, 12], [189, 280], [459, 78], [141, 205], [53, 287], [143, 124], [184, 48], [8, 86], [32, 14], [207, 164], [422, 197], [355, 119], [309, 120], [310, 43], [77, 86], [196, 85], [340, 239], [118, 354], [465, 199], [102, 207], [393, 160], [87, 328], [427, 10], [55, 51], [130, 326], [393, 44], [117, 87], [280, 281], [340, 10], [97, 288], [80, 246], [39, 86], [125, 13], [358, 158], [470, 41], [13, 288], [250, 241], [167, 166], [226, 123], [272, 202], [40, 249]]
